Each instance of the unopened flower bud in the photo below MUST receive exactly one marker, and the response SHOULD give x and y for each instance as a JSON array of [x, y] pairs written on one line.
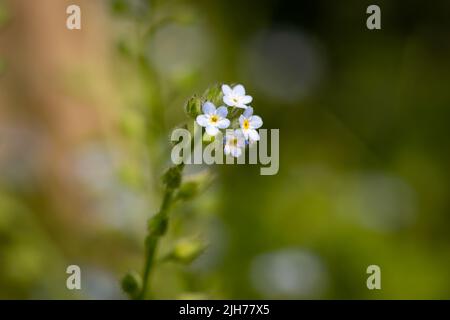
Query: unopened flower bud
[[172, 177], [186, 251], [132, 284], [194, 185], [193, 107]]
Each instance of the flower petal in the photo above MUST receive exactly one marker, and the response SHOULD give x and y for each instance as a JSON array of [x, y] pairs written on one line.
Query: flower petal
[[246, 99], [226, 89], [208, 108], [212, 131], [248, 112], [253, 134], [222, 112], [239, 90], [229, 135], [238, 133], [228, 101], [245, 133], [202, 120], [236, 152], [223, 124], [227, 150], [240, 105], [256, 122], [241, 119]]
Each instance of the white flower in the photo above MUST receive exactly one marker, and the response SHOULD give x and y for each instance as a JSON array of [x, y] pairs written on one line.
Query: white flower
[[235, 97], [249, 123], [213, 119], [234, 143]]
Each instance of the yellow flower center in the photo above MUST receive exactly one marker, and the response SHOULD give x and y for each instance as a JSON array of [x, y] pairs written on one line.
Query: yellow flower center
[[246, 124], [214, 119], [234, 142]]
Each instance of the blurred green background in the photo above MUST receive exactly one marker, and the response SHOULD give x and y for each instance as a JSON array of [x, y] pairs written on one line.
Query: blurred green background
[[85, 118]]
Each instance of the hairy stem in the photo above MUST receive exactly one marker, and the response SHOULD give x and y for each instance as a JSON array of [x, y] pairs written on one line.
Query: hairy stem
[[157, 230]]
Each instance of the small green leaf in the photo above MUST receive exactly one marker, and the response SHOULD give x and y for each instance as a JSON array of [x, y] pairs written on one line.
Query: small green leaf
[[172, 177], [194, 185], [132, 284], [193, 107]]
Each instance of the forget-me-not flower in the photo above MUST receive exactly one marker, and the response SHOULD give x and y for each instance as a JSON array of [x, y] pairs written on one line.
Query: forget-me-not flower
[[235, 97], [213, 119], [249, 123], [234, 143]]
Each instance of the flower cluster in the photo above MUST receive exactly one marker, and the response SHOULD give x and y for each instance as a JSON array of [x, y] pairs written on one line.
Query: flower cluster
[[213, 119]]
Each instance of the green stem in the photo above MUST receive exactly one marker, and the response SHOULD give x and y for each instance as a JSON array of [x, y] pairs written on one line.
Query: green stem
[[152, 240], [151, 245]]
